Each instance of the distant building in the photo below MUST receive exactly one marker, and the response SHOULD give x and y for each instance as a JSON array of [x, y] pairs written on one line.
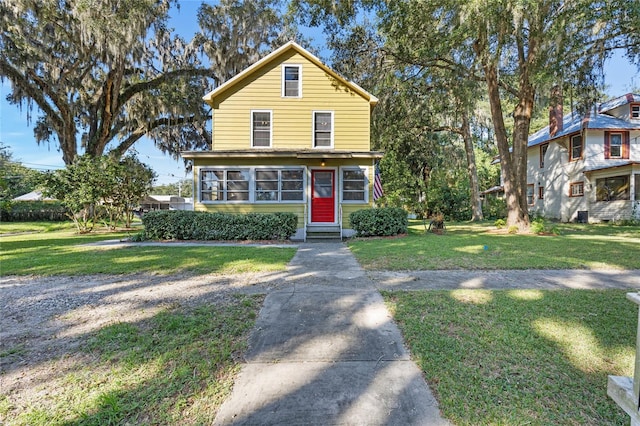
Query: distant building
[[166, 202], [33, 196], [586, 168]]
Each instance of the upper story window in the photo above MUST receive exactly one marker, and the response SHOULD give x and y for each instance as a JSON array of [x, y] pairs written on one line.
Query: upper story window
[[292, 81], [576, 148], [322, 129], [635, 111], [261, 129], [616, 145], [224, 185], [543, 151]]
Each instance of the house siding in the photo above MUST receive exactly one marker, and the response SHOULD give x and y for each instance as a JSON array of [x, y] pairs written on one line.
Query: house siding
[[292, 118], [559, 173]]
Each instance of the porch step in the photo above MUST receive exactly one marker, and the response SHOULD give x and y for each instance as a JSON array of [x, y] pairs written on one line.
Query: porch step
[[323, 232]]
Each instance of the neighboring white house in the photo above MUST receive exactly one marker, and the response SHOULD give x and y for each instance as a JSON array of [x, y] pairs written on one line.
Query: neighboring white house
[[33, 196], [587, 167]]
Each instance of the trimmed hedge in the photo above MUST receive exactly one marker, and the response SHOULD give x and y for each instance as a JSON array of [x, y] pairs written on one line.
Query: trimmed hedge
[[190, 225], [383, 221], [33, 211]]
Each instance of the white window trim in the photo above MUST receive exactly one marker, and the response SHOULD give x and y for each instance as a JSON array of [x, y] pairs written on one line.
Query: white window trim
[[282, 91], [225, 169], [611, 144], [270, 127], [367, 182], [278, 168], [577, 184], [252, 184], [313, 129]]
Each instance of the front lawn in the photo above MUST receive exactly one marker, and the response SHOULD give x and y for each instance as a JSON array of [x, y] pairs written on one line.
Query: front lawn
[[523, 356], [482, 246], [59, 253], [174, 368]]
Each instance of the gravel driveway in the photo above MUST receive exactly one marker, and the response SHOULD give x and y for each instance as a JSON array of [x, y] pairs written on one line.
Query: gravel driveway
[[44, 319]]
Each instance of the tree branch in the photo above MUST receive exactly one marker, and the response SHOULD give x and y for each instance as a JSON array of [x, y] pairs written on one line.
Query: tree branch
[[23, 83], [130, 91]]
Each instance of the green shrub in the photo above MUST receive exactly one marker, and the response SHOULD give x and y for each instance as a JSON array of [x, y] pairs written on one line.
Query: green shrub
[[494, 207], [379, 222], [500, 223], [189, 225], [513, 229], [33, 211], [537, 226]]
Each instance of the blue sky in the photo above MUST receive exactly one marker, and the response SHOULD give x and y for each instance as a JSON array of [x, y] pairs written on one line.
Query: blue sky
[[620, 77]]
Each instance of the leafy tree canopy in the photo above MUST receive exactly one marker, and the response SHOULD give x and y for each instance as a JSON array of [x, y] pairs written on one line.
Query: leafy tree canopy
[[101, 74], [15, 179], [515, 51]]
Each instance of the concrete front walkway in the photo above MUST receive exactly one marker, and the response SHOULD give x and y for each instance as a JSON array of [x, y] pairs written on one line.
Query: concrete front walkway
[[326, 351]]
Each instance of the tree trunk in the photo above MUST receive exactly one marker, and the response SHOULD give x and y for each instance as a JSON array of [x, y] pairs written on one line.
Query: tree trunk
[[513, 173], [522, 121], [476, 203]]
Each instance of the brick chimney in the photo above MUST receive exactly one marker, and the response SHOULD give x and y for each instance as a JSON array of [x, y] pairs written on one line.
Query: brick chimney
[[555, 111]]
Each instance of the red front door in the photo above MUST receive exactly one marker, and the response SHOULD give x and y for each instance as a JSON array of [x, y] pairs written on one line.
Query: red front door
[[323, 196]]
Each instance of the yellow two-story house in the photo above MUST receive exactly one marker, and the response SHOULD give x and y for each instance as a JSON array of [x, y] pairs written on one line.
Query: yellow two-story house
[[289, 135]]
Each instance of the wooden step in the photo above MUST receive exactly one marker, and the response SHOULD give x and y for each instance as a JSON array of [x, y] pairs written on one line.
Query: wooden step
[[323, 232]]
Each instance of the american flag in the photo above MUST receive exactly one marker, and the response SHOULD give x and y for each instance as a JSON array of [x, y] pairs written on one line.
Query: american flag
[[377, 184]]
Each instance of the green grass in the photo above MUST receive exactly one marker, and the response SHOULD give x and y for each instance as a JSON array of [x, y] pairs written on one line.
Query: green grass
[[58, 253], [174, 368], [520, 357], [18, 227], [479, 246]]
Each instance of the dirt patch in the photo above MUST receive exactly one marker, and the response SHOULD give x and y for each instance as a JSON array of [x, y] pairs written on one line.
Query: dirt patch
[[46, 319]]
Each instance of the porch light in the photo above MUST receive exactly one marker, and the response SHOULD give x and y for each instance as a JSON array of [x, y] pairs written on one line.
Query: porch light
[[322, 162]]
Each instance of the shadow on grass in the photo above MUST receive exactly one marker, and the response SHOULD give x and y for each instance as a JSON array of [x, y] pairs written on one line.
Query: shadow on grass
[[499, 357], [476, 246], [174, 367], [63, 259]]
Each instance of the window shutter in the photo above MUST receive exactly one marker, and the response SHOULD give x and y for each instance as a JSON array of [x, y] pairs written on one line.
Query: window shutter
[[607, 146], [625, 145]]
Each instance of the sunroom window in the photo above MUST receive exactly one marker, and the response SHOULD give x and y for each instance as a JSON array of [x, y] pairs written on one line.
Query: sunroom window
[[224, 185], [613, 188], [279, 185], [354, 185]]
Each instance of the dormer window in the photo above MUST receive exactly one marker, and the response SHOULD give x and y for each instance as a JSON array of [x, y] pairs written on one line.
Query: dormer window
[[635, 111], [291, 81]]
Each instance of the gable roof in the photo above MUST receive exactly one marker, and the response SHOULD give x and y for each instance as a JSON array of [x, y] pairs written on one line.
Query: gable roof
[[595, 119], [273, 57], [619, 101]]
